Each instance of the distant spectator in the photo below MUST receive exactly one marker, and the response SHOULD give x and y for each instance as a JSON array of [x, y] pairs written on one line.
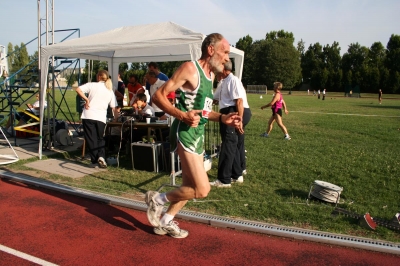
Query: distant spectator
[[152, 66], [120, 89], [380, 96], [134, 88], [141, 105], [155, 84], [23, 117]]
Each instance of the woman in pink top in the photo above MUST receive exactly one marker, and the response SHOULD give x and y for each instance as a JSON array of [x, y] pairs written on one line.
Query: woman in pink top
[[276, 105]]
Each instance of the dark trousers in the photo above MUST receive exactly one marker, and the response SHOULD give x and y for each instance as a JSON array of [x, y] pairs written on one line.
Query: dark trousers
[[94, 137], [241, 147], [229, 165]]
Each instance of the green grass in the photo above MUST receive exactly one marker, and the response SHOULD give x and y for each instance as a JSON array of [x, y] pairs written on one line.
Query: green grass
[[353, 143]]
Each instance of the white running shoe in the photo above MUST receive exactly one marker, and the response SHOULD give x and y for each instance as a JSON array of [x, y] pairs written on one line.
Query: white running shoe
[[287, 137], [239, 180], [102, 162], [218, 183], [154, 209], [172, 229]]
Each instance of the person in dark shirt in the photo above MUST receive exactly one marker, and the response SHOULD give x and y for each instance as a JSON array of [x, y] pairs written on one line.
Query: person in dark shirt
[[380, 96]]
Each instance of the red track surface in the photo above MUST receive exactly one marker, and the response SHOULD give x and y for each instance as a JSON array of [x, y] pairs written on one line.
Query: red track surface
[[69, 230]]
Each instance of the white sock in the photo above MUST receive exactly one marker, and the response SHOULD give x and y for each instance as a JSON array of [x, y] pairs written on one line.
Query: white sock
[[161, 198], [166, 219]]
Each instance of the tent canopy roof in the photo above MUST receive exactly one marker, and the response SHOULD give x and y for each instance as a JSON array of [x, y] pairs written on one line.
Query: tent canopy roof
[[131, 42], [159, 42]]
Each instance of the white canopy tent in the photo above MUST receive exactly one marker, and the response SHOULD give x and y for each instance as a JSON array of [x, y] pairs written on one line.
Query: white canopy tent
[[159, 42]]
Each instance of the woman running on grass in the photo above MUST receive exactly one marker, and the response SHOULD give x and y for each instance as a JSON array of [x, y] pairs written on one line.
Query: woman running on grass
[[276, 105]]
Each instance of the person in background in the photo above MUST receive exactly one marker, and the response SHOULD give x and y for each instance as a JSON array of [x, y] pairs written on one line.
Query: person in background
[[152, 66], [22, 117], [276, 105], [155, 84], [380, 96], [121, 90], [323, 94], [134, 88], [232, 97], [141, 105], [94, 115], [171, 99], [194, 109], [319, 94]]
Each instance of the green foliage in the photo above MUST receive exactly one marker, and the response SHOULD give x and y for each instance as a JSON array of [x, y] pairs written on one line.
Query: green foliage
[[244, 44], [11, 55], [138, 66], [71, 79], [275, 35], [270, 60], [123, 67], [17, 57], [95, 66], [168, 68]]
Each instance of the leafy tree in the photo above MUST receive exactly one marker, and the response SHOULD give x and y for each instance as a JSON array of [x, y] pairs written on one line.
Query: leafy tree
[[275, 35], [71, 79], [393, 53], [355, 60], [332, 62], [301, 47], [138, 66], [168, 68], [312, 62], [246, 45], [393, 63], [375, 75], [11, 55], [33, 68], [96, 66], [276, 59], [123, 67]]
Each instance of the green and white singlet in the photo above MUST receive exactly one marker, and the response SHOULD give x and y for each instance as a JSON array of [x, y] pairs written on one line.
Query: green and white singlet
[[192, 138]]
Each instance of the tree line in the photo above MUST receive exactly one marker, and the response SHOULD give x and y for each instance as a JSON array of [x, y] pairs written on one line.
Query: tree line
[[276, 58]]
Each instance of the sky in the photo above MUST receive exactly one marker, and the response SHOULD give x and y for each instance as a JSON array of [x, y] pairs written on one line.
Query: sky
[[323, 21]]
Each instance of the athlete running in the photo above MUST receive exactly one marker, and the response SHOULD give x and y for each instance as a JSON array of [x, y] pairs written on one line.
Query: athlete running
[[194, 82]]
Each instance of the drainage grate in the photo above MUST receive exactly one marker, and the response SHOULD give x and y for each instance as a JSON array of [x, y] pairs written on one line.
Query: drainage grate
[[218, 221]]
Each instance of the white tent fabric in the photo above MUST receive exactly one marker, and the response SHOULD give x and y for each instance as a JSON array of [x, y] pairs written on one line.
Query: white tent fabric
[[159, 42]]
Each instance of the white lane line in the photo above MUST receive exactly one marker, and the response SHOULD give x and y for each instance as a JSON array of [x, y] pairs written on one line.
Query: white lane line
[[26, 256], [342, 114]]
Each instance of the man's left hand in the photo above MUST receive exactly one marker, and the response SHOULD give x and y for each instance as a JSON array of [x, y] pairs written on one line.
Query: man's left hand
[[233, 120]]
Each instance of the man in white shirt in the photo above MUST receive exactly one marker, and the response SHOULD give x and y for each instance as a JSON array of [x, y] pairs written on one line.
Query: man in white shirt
[[155, 84], [231, 96]]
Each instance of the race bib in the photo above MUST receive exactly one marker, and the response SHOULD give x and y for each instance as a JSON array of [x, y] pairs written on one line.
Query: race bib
[[207, 107]]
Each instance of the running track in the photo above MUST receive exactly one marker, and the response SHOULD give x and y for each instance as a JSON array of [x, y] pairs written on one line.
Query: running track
[[68, 230]]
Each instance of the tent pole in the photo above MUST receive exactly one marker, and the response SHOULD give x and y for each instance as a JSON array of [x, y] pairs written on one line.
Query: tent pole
[[41, 92]]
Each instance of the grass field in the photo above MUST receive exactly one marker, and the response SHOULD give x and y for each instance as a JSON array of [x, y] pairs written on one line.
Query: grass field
[[351, 142]]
